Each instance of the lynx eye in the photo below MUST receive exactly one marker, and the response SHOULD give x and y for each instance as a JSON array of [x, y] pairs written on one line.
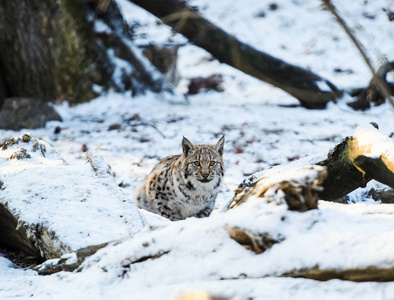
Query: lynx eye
[[212, 163], [197, 163]]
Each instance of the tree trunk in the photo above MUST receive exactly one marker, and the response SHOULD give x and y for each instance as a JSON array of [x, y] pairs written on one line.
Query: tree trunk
[[22, 43], [50, 50], [310, 89]]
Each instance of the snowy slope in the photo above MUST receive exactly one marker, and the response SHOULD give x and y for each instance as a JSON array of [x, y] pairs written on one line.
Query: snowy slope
[[259, 134]]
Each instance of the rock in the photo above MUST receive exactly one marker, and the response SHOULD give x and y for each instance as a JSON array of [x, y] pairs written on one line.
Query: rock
[[115, 126], [18, 113], [198, 84]]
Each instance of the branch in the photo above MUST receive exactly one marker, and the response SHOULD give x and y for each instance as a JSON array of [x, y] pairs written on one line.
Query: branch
[[300, 83], [357, 274], [378, 81]]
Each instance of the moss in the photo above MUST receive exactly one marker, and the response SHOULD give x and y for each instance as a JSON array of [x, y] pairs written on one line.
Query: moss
[[79, 61], [26, 138]]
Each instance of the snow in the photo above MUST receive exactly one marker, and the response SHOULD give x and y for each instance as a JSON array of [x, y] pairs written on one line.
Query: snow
[[261, 131], [376, 145]]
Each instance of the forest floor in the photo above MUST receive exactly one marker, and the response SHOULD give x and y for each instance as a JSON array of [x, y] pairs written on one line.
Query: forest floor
[[263, 127]]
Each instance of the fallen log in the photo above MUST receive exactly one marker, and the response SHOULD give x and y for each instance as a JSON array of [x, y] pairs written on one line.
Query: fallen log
[[16, 233], [68, 262], [365, 155], [371, 94], [310, 89], [385, 195], [371, 273], [40, 193]]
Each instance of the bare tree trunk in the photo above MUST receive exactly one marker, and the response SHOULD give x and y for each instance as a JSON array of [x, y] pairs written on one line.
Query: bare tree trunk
[[310, 89]]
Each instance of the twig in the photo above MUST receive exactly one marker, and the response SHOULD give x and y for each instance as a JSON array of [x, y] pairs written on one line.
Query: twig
[[379, 82], [139, 122], [154, 127]]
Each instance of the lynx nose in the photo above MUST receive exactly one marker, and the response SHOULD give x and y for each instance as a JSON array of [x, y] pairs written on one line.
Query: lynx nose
[[205, 175]]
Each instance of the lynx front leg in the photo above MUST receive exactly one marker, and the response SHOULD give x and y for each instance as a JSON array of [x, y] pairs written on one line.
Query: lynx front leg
[[204, 212], [169, 213]]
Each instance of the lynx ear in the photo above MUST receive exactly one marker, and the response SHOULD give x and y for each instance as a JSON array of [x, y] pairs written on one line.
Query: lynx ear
[[187, 147], [219, 146]]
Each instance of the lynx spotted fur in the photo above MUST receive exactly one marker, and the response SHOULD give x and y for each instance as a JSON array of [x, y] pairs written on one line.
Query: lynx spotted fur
[[186, 185]]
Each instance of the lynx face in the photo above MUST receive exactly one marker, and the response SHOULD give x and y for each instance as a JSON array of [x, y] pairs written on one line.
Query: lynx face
[[203, 163]]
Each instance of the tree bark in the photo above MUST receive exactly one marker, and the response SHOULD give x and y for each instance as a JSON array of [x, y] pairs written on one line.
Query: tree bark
[[25, 68], [300, 83]]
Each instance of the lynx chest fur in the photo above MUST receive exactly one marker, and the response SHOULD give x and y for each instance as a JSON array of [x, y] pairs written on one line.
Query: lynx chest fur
[[185, 185]]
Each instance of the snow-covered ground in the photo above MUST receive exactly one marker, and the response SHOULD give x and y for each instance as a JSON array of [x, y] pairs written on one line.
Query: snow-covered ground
[[260, 133]]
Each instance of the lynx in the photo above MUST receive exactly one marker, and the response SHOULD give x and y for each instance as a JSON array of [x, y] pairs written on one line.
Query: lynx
[[185, 185]]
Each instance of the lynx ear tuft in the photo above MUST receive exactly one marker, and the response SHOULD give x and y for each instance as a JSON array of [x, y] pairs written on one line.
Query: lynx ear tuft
[[187, 147], [219, 147]]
